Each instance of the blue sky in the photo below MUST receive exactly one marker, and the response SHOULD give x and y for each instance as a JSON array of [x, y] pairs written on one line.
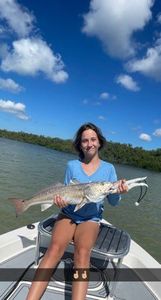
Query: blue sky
[[63, 63]]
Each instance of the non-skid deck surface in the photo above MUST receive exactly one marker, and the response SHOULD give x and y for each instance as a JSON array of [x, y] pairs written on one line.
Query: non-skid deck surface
[[17, 264], [60, 290]]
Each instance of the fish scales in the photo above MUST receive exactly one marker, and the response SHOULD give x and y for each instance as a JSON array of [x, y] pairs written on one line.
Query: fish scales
[[74, 193]]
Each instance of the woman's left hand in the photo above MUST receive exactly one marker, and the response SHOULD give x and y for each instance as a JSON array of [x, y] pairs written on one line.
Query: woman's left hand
[[122, 187]]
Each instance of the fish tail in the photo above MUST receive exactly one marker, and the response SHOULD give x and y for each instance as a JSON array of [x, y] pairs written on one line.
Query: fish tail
[[19, 204]]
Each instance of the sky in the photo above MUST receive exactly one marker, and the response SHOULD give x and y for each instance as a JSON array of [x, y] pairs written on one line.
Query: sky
[[65, 63]]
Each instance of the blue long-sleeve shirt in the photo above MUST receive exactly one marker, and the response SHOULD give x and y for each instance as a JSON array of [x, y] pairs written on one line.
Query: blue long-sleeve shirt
[[90, 211]]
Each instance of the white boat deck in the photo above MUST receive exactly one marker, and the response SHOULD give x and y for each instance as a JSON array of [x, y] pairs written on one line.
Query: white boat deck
[[17, 253]]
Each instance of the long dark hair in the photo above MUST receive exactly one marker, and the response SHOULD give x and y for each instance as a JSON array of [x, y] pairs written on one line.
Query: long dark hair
[[78, 136]]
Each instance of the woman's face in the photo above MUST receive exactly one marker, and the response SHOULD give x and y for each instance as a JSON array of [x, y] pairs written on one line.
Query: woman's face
[[89, 143]]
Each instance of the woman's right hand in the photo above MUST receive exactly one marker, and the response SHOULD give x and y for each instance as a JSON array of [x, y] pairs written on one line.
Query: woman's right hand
[[59, 201]]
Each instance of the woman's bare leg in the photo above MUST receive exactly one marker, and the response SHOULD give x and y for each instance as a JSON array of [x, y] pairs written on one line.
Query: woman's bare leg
[[63, 232], [84, 239]]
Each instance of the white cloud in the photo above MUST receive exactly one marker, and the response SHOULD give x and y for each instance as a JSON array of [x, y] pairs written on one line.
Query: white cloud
[[10, 85], [104, 95], [3, 50], [101, 118], [145, 137], [127, 82], [18, 109], [150, 65], [17, 17], [31, 56], [159, 18], [3, 30], [115, 24], [157, 132]]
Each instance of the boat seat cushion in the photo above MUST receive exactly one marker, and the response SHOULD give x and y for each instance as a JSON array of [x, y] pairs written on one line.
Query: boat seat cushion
[[111, 241]]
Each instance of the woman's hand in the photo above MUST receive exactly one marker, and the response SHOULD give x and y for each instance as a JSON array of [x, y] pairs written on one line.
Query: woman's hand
[[122, 187], [59, 201]]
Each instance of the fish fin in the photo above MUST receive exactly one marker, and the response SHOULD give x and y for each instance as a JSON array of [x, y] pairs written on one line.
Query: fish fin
[[88, 198], [19, 204], [80, 205], [74, 181], [88, 194], [45, 206]]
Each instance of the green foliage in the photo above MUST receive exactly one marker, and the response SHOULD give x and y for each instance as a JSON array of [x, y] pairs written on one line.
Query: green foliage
[[53, 143], [138, 157], [112, 152]]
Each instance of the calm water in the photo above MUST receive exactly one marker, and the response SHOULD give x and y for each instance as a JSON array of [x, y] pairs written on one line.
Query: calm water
[[26, 168]]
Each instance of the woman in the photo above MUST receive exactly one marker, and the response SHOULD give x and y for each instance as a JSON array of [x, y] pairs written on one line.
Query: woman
[[83, 225]]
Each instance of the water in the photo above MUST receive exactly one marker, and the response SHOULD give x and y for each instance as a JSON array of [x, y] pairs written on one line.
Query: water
[[26, 168]]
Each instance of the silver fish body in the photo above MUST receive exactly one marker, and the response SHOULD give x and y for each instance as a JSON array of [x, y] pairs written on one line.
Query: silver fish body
[[75, 193]]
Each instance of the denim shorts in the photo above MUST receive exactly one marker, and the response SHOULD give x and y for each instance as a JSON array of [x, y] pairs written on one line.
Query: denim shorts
[[76, 220]]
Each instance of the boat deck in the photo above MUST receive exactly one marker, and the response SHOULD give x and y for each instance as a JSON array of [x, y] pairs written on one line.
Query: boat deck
[[19, 271]]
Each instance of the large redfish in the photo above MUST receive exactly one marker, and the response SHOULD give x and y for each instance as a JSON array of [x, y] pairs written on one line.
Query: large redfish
[[75, 193]]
